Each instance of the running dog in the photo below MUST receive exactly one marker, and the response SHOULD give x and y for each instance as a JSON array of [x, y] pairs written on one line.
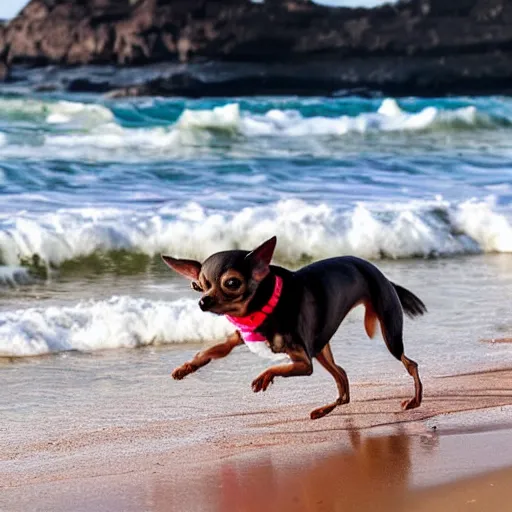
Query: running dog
[[297, 313]]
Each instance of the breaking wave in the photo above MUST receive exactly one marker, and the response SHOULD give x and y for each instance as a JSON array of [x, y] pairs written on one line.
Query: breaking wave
[[13, 276], [120, 322], [73, 130], [305, 231]]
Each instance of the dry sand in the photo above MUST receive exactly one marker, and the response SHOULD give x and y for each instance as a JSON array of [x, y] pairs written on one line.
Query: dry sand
[[365, 456]]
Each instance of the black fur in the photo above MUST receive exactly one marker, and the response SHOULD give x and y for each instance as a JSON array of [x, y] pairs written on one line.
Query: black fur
[[412, 305], [313, 303], [316, 299]]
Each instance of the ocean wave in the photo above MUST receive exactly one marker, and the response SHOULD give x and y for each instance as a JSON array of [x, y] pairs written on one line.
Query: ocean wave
[[305, 231], [13, 276], [120, 322], [71, 113], [389, 118], [81, 114], [292, 123], [93, 131]]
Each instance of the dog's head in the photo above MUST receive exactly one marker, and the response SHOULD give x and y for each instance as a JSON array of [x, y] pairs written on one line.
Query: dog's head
[[228, 280]]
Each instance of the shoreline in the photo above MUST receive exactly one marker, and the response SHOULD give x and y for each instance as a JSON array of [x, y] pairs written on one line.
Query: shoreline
[[461, 430]]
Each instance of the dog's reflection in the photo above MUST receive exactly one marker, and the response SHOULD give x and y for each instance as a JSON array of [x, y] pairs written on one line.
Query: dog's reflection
[[373, 476]]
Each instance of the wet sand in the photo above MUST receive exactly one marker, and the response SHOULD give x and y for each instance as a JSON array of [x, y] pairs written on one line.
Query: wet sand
[[365, 455], [489, 493], [498, 340]]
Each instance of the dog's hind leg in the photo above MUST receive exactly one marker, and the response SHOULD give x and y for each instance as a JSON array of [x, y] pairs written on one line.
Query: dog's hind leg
[[386, 302], [412, 368], [392, 334], [326, 359]]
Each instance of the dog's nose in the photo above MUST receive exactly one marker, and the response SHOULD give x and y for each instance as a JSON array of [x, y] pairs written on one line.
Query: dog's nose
[[206, 303]]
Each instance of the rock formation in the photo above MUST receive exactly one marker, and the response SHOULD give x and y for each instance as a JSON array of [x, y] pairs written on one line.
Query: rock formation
[[278, 47]]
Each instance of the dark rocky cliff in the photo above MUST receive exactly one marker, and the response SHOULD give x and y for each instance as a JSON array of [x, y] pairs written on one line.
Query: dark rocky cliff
[[239, 47]]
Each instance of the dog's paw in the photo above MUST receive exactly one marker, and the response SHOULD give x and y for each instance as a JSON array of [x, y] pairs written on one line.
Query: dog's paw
[[410, 404], [183, 370], [262, 382], [321, 412]]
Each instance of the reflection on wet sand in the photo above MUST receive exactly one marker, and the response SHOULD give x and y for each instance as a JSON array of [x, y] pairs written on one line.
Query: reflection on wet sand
[[368, 456], [373, 475]]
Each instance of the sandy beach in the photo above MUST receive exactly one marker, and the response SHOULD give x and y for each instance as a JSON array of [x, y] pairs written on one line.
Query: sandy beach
[[453, 453], [94, 189]]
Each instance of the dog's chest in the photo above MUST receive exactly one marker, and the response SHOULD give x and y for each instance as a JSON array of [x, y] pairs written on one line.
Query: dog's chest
[[270, 347], [277, 343]]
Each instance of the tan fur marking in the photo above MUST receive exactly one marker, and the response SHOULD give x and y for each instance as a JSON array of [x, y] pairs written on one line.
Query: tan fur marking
[[300, 365], [370, 320], [370, 317], [231, 273], [203, 357], [326, 359]]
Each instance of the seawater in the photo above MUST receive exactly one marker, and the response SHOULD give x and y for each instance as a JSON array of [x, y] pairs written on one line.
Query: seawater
[[93, 190]]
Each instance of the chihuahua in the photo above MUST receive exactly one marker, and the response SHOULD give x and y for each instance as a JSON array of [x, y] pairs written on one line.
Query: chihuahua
[[297, 313]]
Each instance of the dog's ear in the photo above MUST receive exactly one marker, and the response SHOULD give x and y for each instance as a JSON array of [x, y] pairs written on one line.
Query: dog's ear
[[188, 268], [261, 257]]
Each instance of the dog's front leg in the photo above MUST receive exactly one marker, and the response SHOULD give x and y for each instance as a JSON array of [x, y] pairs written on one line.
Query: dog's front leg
[[300, 365], [203, 357]]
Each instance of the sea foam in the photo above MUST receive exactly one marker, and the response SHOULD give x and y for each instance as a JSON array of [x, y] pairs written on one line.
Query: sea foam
[[305, 231], [291, 123], [74, 130], [120, 322], [13, 276]]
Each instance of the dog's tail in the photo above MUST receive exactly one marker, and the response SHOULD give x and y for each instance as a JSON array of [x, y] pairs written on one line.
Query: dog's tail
[[412, 305]]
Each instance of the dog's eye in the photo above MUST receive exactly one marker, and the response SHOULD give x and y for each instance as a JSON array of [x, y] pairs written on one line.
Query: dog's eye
[[196, 287], [233, 283]]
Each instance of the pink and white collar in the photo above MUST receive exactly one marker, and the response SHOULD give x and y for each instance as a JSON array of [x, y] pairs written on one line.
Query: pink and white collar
[[247, 325]]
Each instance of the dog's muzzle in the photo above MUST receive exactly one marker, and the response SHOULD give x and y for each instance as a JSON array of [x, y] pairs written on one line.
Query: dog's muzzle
[[206, 303]]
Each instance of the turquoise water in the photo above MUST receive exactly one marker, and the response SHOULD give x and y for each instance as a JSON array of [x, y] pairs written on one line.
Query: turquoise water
[[92, 191]]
